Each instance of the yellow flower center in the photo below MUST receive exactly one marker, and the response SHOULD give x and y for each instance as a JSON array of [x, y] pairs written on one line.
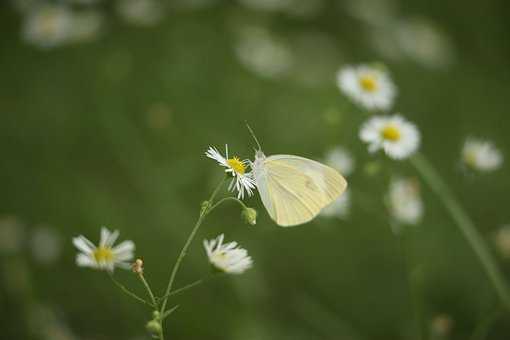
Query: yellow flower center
[[390, 132], [368, 83], [103, 254], [237, 165]]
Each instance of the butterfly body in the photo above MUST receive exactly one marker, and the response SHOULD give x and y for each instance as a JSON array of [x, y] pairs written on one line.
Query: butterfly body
[[295, 189]]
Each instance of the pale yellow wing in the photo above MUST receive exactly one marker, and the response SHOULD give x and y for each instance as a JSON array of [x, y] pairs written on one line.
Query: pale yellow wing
[[295, 189]]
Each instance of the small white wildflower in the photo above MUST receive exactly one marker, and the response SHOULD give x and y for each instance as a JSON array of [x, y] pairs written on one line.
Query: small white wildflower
[[242, 181], [423, 42], [228, 257], [481, 155], [105, 256], [339, 208], [405, 203], [45, 244], [263, 54], [502, 241], [341, 159], [141, 12], [368, 86], [48, 25], [396, 136]]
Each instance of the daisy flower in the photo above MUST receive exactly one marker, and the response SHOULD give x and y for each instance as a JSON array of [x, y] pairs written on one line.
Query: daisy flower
[[481, 155], [105, 256], [405, 203], [340, 207], [228, 257], [341, 159], [396, 136], [242, 181], [263, 54], [48, 25], [368, 86]]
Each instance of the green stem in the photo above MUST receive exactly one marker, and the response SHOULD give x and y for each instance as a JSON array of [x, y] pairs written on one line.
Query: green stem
[[182, 289], [231, 198], [465, 225], [130, 293], [149, 290], [413, 282], [191, 236]]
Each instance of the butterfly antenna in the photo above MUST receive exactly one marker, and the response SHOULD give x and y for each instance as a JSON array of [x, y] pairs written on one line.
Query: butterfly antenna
[[253, 135]]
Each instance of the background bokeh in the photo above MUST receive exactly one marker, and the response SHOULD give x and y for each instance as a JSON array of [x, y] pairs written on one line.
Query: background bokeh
[[109, 128]]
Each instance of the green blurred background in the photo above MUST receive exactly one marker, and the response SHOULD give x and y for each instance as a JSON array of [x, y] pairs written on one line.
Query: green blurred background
[[111, 131]]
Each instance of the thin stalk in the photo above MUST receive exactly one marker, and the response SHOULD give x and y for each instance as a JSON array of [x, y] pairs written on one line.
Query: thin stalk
[[149, 290], [182, 289], [130, 293], [230, 198], [465, 224], [413, 282], [184, 249]]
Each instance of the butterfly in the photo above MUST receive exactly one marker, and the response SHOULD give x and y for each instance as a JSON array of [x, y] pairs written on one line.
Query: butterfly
[[294, 189]]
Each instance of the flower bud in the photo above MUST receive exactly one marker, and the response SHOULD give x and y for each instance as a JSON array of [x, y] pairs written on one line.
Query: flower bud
[[137, 266], [249, 215], [153, 327]]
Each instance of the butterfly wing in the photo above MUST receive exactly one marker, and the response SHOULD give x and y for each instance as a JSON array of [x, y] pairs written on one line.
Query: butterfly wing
[[295, 189]]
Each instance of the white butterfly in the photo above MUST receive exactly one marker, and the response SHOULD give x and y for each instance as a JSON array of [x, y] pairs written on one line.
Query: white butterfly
[[295, 189]]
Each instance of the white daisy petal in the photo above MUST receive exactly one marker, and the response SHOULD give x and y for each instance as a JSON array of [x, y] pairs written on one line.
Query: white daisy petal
[[368, 86], [481, 155], [405, 203], [242, 181], [83, 244], [83, 260], [397, 137], [105, 256], [228, 257]]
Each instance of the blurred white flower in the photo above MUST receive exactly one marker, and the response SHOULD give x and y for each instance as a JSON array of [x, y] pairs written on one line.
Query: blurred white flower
[[51, 25], [242, 181], [502, 241], [441, 325], [304, 8], [395, 135], [12, 233], [370, 87], [481, 155], [48, 25], [141, 12], [45, 244], [47, 324], [340, 208], [263, 54], [105, 256], [375, 13], [228, 257], [421, 41], [341, 159], [404, 200]]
